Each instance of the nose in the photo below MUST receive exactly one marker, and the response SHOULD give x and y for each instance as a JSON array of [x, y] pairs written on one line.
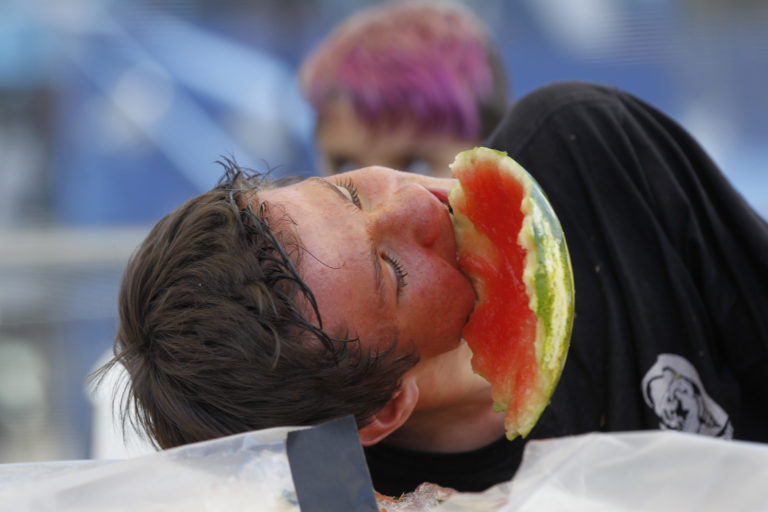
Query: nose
[[410, 211]]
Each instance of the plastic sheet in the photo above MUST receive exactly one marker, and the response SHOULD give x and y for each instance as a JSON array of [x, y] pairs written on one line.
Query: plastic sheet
[[282, 470], [244, 472], [642, 471], [638, 471]]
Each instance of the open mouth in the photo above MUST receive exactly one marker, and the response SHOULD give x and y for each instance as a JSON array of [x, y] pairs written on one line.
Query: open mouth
[[442, 196]]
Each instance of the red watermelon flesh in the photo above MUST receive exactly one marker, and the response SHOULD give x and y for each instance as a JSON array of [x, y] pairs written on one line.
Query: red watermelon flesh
[[513, 249]]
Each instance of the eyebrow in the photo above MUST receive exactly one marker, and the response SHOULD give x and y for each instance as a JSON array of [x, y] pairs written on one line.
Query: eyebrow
[[378, 279]]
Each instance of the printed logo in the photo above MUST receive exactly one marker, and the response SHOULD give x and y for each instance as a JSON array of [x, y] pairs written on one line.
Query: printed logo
[[673, 389]]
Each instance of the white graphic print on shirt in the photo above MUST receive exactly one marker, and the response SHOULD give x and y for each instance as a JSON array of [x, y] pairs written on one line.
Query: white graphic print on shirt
[[673, 390]]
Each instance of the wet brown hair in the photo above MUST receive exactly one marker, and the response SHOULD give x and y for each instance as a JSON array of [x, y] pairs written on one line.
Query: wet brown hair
[[214, 331]]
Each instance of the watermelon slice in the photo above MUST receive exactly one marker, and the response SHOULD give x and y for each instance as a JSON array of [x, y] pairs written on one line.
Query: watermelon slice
[[512, 247]]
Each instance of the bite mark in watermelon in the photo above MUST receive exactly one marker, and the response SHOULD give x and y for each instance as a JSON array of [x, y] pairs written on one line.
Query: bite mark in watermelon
[[513, 249]]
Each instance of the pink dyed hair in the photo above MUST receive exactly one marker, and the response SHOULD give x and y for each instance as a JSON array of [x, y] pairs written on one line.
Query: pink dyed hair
[[427, 61]]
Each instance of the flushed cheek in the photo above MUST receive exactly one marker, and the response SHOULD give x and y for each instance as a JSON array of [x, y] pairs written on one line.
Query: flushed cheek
[[440, 308]]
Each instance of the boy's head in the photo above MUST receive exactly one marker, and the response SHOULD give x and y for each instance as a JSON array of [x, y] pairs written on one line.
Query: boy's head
[[406, 85], [220, 334]]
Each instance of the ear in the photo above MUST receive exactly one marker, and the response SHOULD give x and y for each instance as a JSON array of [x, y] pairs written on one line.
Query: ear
[[393, 415]]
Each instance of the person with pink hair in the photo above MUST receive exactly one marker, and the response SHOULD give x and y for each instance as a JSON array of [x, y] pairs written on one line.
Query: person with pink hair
[[406, 85]]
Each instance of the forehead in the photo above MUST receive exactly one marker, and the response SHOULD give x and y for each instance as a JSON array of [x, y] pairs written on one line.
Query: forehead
[[335, 260], [340, 128], [310, 210]]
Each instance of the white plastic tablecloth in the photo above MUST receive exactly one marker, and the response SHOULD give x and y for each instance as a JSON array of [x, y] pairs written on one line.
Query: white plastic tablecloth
[[638, 471]]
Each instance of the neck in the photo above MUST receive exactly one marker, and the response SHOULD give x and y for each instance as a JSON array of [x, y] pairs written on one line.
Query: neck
[[455, 409], [448, 430]]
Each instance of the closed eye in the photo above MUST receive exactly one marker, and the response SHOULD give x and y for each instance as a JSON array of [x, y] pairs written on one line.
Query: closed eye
[[399, 271], [350, 187]]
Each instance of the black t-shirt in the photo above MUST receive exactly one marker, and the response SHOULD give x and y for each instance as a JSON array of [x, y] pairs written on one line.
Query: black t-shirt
[[671, 277], [397, 470]]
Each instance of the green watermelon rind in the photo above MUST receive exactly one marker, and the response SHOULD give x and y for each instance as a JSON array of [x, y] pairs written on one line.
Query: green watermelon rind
[[553, 299], [548, 277]]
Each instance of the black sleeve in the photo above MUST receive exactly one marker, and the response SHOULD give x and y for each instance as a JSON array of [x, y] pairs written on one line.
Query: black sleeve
[[670, 265]]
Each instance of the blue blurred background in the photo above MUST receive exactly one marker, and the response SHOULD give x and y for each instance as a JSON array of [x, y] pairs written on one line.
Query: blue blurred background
[[112, 112]]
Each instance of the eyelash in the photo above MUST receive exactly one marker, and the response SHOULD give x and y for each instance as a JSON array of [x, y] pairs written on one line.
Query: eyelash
[[400, 272], [352, 189]]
